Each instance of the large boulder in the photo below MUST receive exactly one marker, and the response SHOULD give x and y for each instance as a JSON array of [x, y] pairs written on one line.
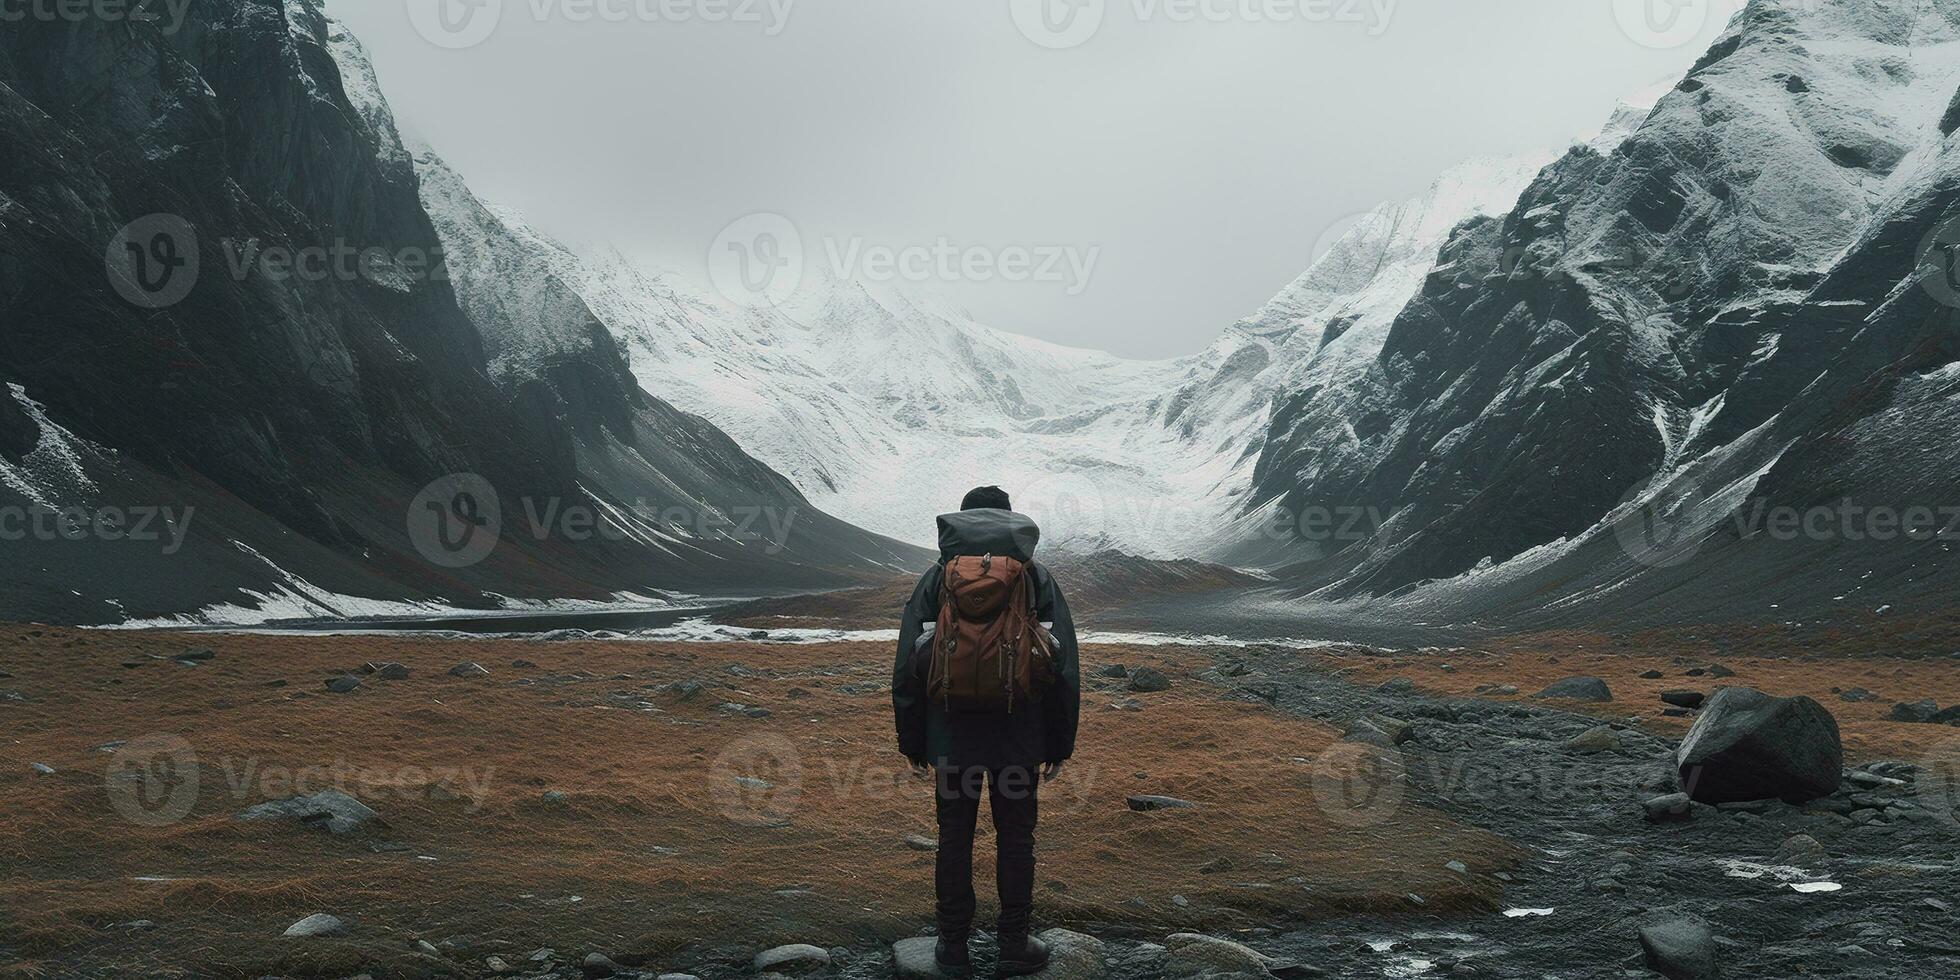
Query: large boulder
[[1748, 745]]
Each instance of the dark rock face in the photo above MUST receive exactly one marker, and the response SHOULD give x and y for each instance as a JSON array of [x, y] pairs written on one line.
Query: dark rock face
[[301, 414], [1683, 699], [1578, 689], [1748, 746]]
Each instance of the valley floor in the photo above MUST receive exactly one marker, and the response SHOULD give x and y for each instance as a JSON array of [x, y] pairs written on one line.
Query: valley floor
[[684, 806]]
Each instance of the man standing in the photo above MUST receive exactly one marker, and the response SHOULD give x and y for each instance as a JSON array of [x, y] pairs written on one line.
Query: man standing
[[986, 691]]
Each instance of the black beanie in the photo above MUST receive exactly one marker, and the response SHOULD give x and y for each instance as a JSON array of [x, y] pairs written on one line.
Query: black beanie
[[986, 498]]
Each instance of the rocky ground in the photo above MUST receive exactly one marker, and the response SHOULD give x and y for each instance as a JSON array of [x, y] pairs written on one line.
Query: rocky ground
[[1461, 827]]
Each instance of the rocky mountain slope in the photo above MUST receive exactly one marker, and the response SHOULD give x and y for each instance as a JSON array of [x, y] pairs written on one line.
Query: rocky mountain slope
[[288, 414], [1721, 314]]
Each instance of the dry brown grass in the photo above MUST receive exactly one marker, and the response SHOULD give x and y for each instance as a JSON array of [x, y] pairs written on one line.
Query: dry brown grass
[[653, 847], [1530, 663]]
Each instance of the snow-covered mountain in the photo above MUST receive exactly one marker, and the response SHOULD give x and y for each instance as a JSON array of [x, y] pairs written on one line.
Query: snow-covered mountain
[[884, 408], [1724, 315]]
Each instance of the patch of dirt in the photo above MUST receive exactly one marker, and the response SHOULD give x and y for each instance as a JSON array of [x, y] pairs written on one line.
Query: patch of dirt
[[580, 797]]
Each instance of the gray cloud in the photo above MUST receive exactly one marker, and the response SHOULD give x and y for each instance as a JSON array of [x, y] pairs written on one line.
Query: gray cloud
[[1202, 158]]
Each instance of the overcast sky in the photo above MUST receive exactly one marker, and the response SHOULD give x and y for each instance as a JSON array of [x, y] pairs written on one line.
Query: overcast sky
[[1188, 165]]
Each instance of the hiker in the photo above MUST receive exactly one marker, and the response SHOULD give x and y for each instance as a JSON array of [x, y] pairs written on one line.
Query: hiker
[[992, 711]]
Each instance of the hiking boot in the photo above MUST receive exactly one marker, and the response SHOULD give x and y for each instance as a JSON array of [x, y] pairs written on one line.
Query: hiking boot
[[1021, 955], [952, 957]]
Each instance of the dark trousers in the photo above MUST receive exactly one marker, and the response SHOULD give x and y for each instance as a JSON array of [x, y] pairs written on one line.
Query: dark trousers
[[1010, 795]]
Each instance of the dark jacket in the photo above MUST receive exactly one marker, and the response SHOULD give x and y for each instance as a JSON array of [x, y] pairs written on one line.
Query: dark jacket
[[1024, 738]]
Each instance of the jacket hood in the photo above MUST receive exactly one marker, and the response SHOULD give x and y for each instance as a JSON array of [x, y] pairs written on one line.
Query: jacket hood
[[988, 532]]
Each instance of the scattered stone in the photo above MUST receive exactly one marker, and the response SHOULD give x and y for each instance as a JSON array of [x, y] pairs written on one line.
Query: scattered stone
[[1578, 689], [1124, 704], [553, 797], [1748, 745], [1720, 671], [1598, 739], [1113, 671], [1684, 699], [912, 959], [1498, 690], [42, 768], [496, 964], [1193, 955], [1149, 680], [1856, 694], [391, 672], [1800, 851], [427, 948], [1680, 949], [330, 810], [1397, 685], [686, 690], [598, 965], [1399, 732], [1673, 712], [794, 958], [1696, 672], [1215, 866], [316, 925], [1916, 713], [1651, 675], [1672, 808], [1073, 956], [919, 842], [344, 685], [197, 655], [469, 670], [1145, 804], [1457, 866], [742, 710], [523, 665]]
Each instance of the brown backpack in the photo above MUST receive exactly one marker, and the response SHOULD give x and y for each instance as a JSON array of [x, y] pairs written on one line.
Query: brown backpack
[[989, 653]]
